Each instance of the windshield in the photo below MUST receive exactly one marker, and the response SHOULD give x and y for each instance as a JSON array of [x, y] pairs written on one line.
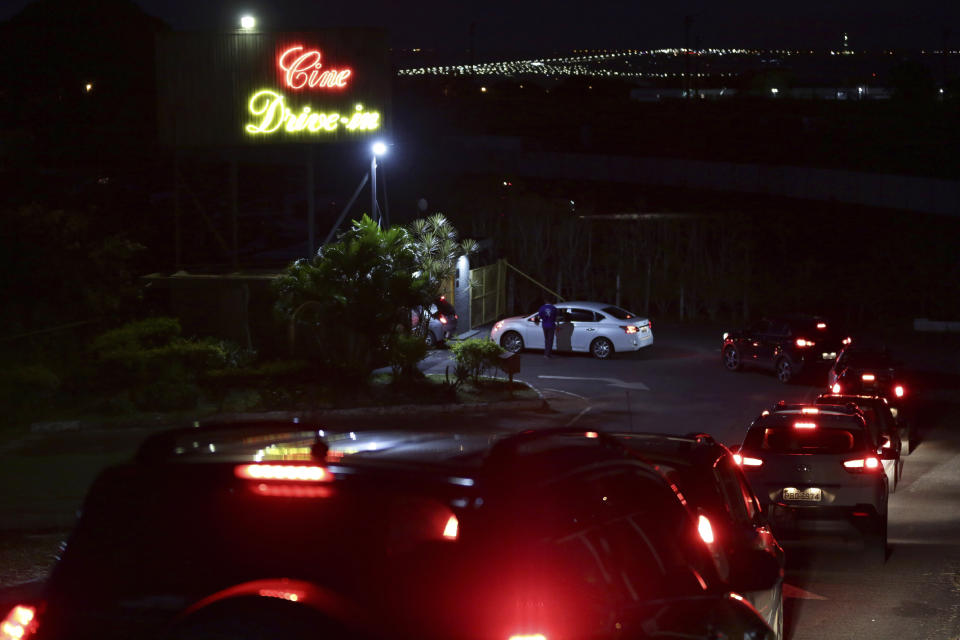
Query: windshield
[[790, 439]]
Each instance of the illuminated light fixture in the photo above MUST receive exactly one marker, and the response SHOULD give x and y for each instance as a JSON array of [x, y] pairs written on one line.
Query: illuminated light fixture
[[483, 89], [868, 377], [804, 425], [292, 596], [591, 434], [302, 69], [19, 624], [803, 343], [379, 148], [88, 87], [765, 413], [273, 115], [774, 91], [452, 528], [528, 636], [286, 490], [705, 529], [899, 390], [248, 22], [747, 461], [810, 410], [296, 473], [821, 325], [835, 388], [847, 340]]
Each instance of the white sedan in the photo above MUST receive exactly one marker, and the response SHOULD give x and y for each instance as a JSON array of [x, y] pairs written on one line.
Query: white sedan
[[595, 327]]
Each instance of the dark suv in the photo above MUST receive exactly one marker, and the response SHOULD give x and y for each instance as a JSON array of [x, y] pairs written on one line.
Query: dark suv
[[790, 345], [708, 476], [291, 531], [863, 370]]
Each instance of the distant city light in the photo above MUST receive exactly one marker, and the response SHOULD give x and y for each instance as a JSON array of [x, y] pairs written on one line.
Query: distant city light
[[248, 22], [774, 91], [89, 87], [483, 89]]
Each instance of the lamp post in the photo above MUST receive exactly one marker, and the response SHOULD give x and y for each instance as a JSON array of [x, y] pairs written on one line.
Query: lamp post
[[378, 148]]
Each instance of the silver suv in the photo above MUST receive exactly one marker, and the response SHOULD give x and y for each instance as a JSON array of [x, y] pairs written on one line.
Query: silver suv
[[818, 474]]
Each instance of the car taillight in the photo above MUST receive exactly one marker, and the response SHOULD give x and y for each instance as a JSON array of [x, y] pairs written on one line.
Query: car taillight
[[630, 328], [868, 377], [528, 636], [442, 319], [859, 465], [20, 623], [899, 390], [847, 340], [283, 472], [452, 528], [810, 410], [804, 343], [747, 461], [804, 425], [821, 325], [705, 529], [835, 388]]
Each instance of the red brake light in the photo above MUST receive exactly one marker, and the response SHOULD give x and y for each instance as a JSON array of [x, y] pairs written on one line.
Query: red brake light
[[847, 340], [283, 472], [821, 325], [443, 319], [868, 377], [809, 410], [705, 530], [591, 434], [630, 328], [804, 425], [747, 461], [803, 343], [899, 390], [835, 388], [20, 623], [452, 528], [859, 465], [528, 636], [498, 326]]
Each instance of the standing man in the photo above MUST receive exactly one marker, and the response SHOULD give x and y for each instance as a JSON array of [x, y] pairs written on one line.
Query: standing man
[[548, 322]]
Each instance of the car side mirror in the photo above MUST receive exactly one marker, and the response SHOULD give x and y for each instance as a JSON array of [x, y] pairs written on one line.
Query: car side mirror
[[754, 570], [534, 319]]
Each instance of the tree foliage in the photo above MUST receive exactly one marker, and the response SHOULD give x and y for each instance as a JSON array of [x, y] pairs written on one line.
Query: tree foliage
[[349, 301], [437, 248]]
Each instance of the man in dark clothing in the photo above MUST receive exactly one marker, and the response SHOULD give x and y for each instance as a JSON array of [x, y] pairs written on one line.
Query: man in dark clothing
[[548, 322]]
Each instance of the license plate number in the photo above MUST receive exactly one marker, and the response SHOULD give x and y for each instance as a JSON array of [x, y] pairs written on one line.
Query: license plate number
[[829, 355], [803, 495]]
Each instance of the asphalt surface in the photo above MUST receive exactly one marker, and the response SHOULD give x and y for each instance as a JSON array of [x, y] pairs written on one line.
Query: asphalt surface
[[676, 386]]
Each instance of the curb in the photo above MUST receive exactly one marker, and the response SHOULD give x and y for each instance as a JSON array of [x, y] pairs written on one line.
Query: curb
[[164, 421]]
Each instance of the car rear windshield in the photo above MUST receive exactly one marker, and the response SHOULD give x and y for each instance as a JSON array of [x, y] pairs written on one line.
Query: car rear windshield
[[620, 314], [789, 439]]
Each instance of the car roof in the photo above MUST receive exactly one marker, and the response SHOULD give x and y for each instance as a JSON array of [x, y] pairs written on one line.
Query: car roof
[[686, 450], [825, 419], [844, 398]]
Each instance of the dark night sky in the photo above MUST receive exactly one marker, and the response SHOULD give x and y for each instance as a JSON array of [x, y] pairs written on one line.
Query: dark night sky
[[505, 26]]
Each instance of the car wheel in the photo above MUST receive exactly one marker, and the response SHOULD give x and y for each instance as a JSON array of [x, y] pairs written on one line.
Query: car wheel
[[601, 348], [512, 342], [430, 340], [875, 545], [731, 359], [784, 370], [906, 437]]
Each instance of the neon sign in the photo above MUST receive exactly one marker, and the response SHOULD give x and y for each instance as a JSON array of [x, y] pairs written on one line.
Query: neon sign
[[273, 115], [302, 68]]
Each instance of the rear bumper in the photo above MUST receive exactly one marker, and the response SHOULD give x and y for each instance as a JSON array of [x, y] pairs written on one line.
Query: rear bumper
[[792, 522]]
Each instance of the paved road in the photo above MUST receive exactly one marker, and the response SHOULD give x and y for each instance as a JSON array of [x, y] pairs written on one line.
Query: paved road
[[678, 386]]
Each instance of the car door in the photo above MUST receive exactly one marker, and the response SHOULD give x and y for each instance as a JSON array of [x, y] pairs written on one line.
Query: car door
[[770, 342], [586, 327], [532, 332], [565, 329], [749, 345]]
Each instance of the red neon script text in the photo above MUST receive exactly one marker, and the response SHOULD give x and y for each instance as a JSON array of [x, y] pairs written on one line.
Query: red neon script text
[[302, 68]]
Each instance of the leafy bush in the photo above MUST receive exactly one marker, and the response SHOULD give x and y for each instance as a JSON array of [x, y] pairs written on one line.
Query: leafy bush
[[24, 387], [474, 357], [155, 366], [404, 353]]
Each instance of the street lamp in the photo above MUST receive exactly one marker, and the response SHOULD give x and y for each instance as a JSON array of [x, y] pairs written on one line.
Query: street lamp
[[248, 22], [378, 148]]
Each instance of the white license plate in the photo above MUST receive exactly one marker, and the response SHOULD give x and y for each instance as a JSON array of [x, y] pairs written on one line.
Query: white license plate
[[812, 494], [829, 355], [643, 329]]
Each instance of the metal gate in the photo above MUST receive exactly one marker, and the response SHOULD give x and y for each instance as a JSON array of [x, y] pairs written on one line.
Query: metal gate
[[487, 293]]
